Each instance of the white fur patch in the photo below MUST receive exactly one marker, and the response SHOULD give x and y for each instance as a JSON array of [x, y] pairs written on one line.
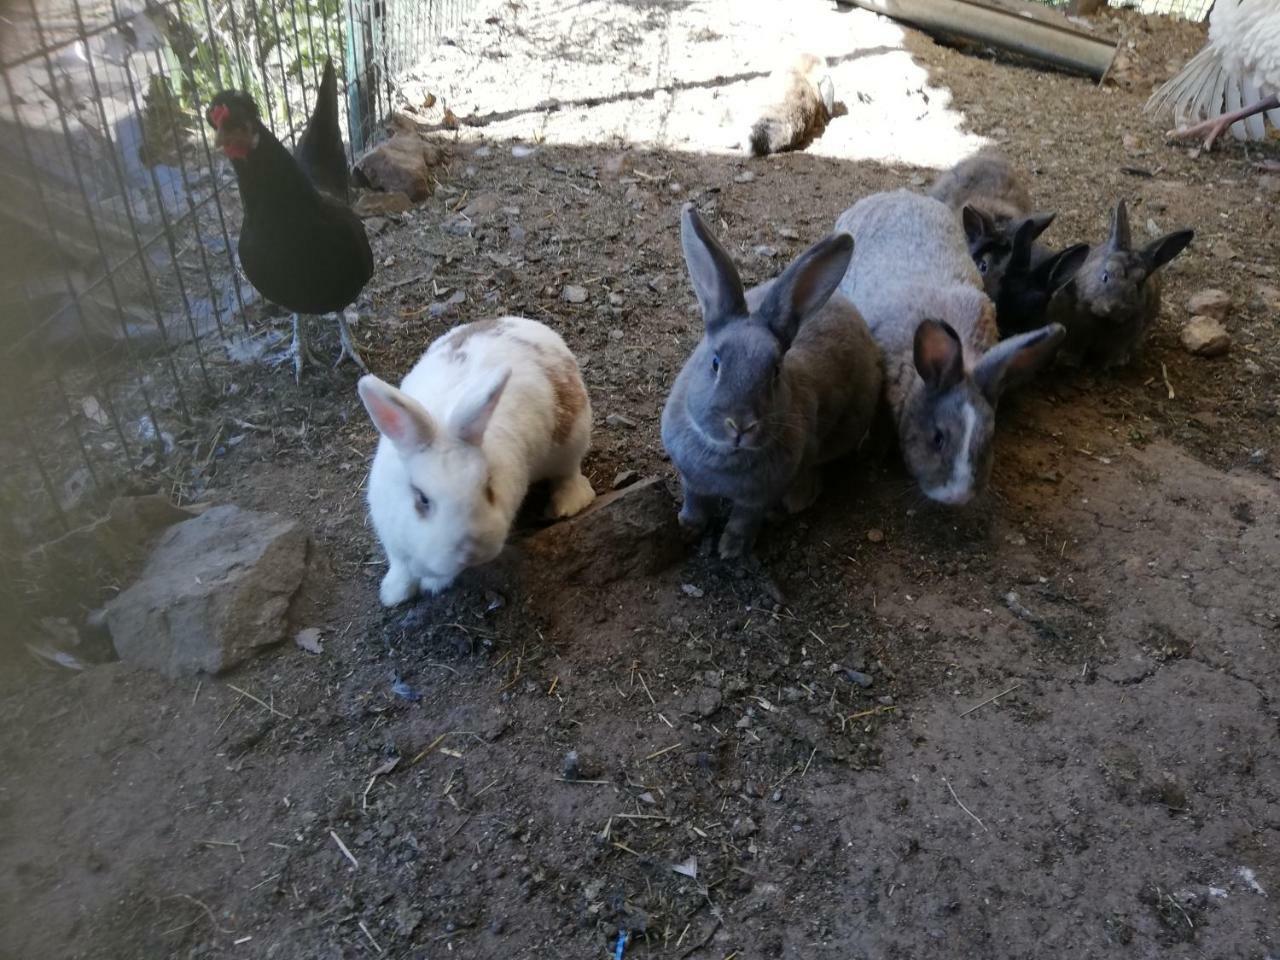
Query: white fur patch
[[959, 488]]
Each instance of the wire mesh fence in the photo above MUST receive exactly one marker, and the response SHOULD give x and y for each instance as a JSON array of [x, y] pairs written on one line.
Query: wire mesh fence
[[1187, 9], [118, 288]]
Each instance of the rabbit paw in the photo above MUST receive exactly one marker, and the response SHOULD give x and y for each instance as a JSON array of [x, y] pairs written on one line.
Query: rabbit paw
[[434, 585], [397, 586], [732, 545], [571, 495]]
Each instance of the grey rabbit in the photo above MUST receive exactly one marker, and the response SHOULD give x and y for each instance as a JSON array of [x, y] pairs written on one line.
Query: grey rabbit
[[995, 209], [911, 277], [785, 378], [1114, 298]]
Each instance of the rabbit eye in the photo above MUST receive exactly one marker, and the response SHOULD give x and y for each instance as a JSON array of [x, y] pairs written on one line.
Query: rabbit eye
[[715, 363], [982, 265], [1106, 277], [939, 439], [421, 501]]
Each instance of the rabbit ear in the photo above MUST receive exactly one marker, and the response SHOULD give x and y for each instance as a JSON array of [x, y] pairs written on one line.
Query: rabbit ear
[[715, 279], [1058, 270], [977, 224], [472, 414], [1038, 223], [1016, 360], [398, 417], [827, 91], [938, 355], [805, 286], [1159, 252], [1023, 238], [1120, 239]]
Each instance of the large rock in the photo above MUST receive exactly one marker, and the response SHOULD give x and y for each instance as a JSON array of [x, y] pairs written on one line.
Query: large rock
[[627, 533], [402, 164], [1210, 303], [1205, 337], [215, 591]]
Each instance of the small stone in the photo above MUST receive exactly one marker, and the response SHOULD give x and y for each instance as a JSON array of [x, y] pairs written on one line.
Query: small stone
[[703, 702], [572, 294], [1205, 337], [375, 225], [788, 234], [1224, 251], [615, 300], [570, 769], [482, 153], [875, 535], [520, 151], [765, 251], [746, 176], [689, 590], [618, 420], [858, 677], [1268, 298], [615, 334], [743, 827], [625, 478], [1130, 142], [378, 204], [918, 181], [1210, 303]]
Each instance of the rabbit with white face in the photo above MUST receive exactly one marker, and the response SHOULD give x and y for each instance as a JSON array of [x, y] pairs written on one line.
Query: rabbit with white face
[[786, 378], [913, 280], [1114, 298], [489, 409]]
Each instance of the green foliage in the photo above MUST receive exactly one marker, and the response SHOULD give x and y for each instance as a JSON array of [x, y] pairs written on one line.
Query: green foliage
[[272, 49]]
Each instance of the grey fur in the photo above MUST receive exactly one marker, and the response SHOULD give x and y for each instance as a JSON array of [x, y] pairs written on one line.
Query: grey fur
[[796, 383], [1114, 298], [911, 277], [801, 103], [993, 204]]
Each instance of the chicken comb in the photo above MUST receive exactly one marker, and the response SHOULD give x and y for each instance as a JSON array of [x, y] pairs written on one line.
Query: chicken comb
[[219, 114]]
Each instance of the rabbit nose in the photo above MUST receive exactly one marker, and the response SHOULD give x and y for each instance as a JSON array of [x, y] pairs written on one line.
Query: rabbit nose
[[738, 433]]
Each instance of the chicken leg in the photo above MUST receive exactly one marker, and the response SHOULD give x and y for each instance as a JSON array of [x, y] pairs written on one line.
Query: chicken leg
[[299, 351], [1217, 126], [348, 345]]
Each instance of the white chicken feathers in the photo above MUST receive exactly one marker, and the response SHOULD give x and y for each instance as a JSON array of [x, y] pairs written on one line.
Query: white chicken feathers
[[1238, 67]]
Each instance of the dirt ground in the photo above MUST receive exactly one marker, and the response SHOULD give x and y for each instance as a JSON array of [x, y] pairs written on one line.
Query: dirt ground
[[1043, 726]]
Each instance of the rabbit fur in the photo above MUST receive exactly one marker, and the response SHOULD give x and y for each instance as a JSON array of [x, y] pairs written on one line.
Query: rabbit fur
[[490, 408], [913, 280], [802, 102], [785, 378], [995, 208], [1114, 298]]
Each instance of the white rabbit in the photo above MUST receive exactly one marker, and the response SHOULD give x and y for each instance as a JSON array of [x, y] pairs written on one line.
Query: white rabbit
[[489, 409]]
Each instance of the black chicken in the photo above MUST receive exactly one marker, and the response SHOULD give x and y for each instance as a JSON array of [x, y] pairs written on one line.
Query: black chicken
[[300, 244]]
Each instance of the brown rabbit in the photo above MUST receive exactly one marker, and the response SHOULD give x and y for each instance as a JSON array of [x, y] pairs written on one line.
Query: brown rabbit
[[801, 104]]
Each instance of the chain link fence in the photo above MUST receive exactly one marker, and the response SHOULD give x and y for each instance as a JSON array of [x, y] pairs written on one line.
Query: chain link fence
[[119, 294]]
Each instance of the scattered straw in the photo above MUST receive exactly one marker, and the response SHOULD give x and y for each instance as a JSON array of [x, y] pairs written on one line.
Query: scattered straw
[[261, 703], [658, 753], [345, 852], [963, 807]]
